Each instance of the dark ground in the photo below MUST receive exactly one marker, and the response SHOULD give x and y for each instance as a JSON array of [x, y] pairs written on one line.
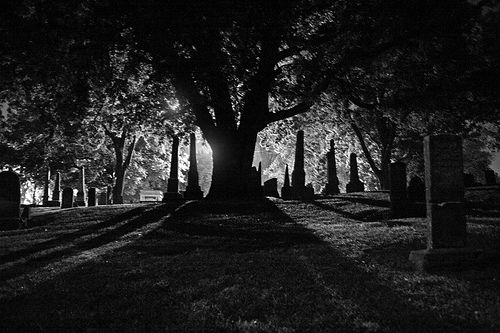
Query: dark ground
[[335, 264]]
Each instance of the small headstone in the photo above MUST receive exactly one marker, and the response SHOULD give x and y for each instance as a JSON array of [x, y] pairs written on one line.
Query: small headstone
[[67, 198], [286, 190], [193, 190], [92, 197], [271, 188], [397, 179], [490, 177], [109, 195], [469, 180], [354, 185], [416, 190], [299, 189], [81, 197], [332, 187], [10, 200], [298, 173], [56, 196], [150, 196], [254, 187], [102, 198], [446, 224], [173, 181], [259, 174]]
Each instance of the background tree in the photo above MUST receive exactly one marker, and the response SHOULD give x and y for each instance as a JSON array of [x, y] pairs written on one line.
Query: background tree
[[127, 105]]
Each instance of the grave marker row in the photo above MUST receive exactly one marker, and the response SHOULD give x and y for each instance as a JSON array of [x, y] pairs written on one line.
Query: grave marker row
[[193, 189]]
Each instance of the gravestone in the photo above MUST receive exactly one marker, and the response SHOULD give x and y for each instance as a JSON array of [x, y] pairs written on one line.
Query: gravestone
[[10, 200], [56, 196], [354, 185], [298, 173], [46, 185], [173, 181], [397, 193], [271, 188], [490, 177], [109, 195], [67, 198], [286, 190], [258, 183], [416, 190], [101, 198], [299, 189], [193, 190], [81, 197], [92, 197], [469, 180], [446, 224], [254, 186], [332, 187]]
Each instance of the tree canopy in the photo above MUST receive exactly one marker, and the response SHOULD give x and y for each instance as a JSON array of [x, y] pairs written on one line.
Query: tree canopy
[[241, 66]]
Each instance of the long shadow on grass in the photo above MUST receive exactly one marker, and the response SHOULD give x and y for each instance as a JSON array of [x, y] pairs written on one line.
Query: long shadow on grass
[[134, 220], [365, 216], [368, 201], [376, 299], [69, 237], [311, 286]]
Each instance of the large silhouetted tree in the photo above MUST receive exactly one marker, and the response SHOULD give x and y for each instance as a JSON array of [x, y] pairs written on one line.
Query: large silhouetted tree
[[230, 59]]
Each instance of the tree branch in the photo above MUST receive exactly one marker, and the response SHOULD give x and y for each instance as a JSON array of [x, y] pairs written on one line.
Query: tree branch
[[182, 70], [196, 100], [130, 152], [366, 152], [219, 87], [290, 112], [108, 132]]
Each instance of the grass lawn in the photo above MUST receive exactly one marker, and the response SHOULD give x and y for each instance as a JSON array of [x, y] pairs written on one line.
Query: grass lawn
[[269, 266]]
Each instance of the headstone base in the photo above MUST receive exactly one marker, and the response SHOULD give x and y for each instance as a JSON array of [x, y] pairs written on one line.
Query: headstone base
[[331, 189], [447, 259], [52, 203], [193, 193], [293, 193], [271, 188], [304, 193], [10, 223], [286, 193], [400, 209], [169, 196], [448, 226], [416, 209], [355, 187]]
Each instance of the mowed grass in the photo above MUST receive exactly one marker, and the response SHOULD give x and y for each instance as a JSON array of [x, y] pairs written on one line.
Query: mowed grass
[[264, 266], [48, 223]]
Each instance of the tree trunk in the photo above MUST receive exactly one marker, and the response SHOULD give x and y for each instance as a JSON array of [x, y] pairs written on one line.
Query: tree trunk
[[385, 161], [118, 188], [119, 173], [121, 167], [232, 162], [387, 134]]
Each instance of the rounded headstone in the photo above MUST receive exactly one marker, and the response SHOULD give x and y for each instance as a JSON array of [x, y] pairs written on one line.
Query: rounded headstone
[[10, 200], [67, 198]]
